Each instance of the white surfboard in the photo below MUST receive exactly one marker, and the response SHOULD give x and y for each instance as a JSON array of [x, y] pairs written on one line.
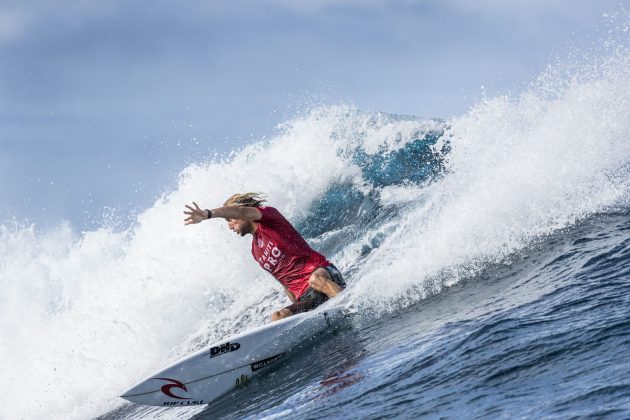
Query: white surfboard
[[212, 372]]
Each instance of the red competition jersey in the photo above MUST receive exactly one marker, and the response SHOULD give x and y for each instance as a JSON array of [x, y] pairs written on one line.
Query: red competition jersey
[[282, 251]]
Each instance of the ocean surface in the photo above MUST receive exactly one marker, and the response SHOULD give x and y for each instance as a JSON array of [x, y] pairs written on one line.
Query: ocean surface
[[487, 259]]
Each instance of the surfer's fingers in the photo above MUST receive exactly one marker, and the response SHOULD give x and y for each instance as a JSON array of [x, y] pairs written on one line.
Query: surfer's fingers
[[189, 208], [197, 206]]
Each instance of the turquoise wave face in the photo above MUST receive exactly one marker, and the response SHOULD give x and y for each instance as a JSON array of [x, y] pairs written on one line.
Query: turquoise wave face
[[416, 162]]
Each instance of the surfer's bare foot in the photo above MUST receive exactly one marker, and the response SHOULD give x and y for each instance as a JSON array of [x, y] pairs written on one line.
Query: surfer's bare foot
[[320, 280]]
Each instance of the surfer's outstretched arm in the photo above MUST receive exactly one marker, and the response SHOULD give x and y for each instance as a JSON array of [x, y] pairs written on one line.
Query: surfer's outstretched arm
[[196, 214]]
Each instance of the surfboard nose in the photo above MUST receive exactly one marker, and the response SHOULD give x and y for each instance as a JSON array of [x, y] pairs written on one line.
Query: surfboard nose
[[142, 388]]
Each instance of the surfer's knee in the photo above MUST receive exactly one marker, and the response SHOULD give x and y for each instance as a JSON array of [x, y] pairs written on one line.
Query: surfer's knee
[[282, 313]]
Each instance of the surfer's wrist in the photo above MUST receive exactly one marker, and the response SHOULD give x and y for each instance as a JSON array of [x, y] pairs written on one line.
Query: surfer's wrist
[[208, 214]]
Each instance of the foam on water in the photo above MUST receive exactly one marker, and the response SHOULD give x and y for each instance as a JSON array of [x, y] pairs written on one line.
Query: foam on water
[[86, 315]]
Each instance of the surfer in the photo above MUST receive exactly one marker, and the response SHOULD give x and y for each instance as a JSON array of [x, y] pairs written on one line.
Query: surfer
[[308, 278]]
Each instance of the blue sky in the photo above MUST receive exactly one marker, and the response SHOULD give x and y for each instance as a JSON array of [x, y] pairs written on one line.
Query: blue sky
[[102, 103]]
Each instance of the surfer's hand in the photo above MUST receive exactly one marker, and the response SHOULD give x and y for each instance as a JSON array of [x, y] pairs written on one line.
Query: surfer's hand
[[195, 215]]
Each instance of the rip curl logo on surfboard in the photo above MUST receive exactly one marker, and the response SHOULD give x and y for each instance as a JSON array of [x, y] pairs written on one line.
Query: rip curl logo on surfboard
[[174, 383]]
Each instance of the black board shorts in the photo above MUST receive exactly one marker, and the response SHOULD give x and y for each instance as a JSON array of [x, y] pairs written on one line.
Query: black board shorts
[[311, 298]]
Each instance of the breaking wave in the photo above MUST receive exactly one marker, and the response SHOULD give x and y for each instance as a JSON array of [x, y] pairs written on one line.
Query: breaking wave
[[404, 206]]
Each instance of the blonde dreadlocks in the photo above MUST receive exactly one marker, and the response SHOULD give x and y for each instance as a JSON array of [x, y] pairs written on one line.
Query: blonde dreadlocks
[[249, 199]]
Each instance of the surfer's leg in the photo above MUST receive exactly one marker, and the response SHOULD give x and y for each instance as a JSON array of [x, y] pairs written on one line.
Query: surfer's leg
[[325, 282], [322, 281], [310, 300]]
